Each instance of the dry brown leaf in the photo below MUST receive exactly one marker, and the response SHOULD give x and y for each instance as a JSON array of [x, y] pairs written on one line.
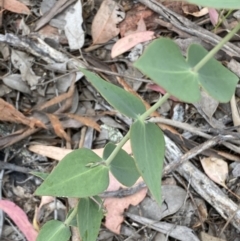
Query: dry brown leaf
[[44, 200], [126, 43], [216, 169], [55, 153], [206, 237], [58, 153], [15, 6], [50, 32], [135, 18], [104, 23], [9, 113], [59, 99], [58, 128], [115, 206], [202, 12], [85, 120], [19, 217]]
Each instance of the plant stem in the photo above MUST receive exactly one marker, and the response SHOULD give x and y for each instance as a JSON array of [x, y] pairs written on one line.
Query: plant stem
[[71, 216], [154, 107], [211, 54], [221, 20], [117, 148], [142, 118]]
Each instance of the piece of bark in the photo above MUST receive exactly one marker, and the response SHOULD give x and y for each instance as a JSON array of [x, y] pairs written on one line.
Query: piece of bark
[[206, 188]]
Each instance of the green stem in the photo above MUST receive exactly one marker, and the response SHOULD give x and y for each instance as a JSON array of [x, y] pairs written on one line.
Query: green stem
[[221, 20], [211, 54], [142, 118], [71, 216], [154, 107], [117, 148]]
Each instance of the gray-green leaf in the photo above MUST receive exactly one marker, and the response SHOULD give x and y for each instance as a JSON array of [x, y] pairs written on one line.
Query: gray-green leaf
[[148, 148], [89, 218], [73, 178], [122, 166], [54, 230], [126, 103]]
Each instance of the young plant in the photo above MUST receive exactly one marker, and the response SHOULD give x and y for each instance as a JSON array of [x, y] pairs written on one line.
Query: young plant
[[83, 174]]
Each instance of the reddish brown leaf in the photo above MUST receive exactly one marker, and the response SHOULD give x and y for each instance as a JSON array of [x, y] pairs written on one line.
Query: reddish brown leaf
[[85, 120], [137, 13], [126, 43], [214, 16], [115, 206], [9, 113], [15, 6], [19, 218], [104, 23], [58, 128]]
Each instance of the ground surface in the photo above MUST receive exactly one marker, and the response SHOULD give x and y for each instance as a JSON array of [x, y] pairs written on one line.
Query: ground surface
[[46, 103]]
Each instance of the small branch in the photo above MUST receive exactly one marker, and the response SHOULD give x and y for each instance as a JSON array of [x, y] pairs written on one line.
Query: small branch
[[13, 167]]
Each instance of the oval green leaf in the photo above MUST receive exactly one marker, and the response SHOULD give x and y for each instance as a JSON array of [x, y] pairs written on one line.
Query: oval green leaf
[[216, 80], [72, 178], [227, 4], [54, 230], [123, 101], [148, 148], [122, 166], [163, 62], [89, 218]]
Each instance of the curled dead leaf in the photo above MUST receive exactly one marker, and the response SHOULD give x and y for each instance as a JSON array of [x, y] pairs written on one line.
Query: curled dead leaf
[[58, 128], [11, 114]]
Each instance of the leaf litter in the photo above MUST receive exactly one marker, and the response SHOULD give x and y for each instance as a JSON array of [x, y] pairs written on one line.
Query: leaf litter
[[104, 23], [58, 111]]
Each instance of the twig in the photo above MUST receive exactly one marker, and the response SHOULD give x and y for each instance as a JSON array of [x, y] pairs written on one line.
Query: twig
[[13, 167], [206, 188], [199, 132]]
